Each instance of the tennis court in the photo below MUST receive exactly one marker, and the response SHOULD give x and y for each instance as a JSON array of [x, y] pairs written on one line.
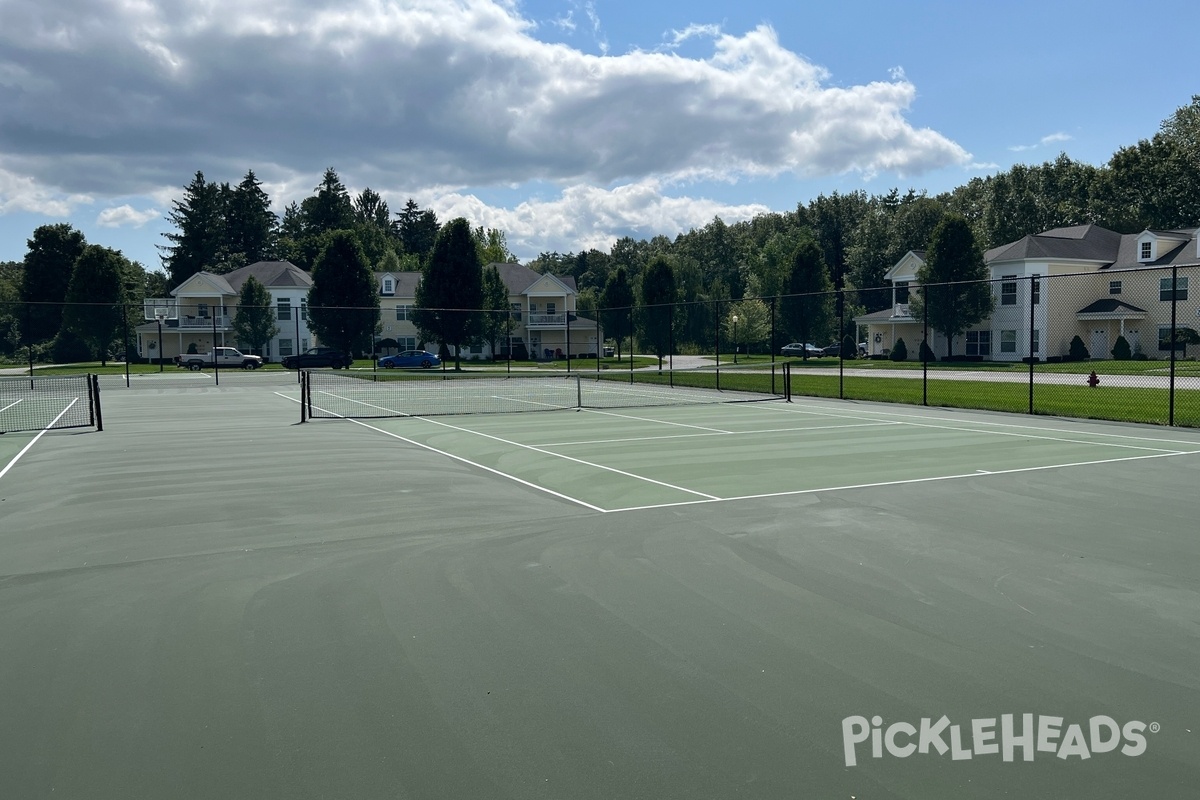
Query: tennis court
[[697, 600]]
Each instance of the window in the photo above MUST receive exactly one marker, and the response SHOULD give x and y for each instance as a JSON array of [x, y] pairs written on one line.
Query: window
[[1182, 336], [285, 347], [389, 287], [284, 311], [1165, 293], [901, 291], [532, 307], [516, 311], [550, 308], [1035, 341], [1035, 288], [201, 309], [979, 343], [403, 313], [1008, 291], [1147, 251], [304, 314], [1114, 287], [1008, 341], [406, 342], [303, 345]]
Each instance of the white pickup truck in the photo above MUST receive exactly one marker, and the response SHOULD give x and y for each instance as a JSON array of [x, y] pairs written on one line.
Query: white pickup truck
[[223, 357]]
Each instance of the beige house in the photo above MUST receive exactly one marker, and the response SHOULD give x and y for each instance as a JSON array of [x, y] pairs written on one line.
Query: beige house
[[1083, 281], [200, 313], [543, 307]]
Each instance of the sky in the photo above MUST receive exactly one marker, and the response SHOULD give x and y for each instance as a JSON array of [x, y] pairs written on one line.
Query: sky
[[566, 124]]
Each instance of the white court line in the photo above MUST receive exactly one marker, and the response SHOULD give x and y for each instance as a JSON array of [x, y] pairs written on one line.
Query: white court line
[[10, 405], [658, 421], [34, 440], [895, 483], [805, 429], [795, 408], [511, 443], [467, 461], [907, 417]]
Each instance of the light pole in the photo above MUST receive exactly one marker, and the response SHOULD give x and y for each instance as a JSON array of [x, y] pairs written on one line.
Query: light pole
[[733, 319]]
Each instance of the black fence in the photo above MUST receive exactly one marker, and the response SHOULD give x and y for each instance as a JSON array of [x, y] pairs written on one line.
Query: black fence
[[1118, 345]]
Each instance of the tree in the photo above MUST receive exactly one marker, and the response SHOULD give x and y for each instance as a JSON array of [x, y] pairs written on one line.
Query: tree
[[97, 298], [899, 351], [199, 242], [251, 227], [616, 306], [417, 230], [658, 297], [1121, 350], [330, 209], [954, 293], [254, 324], [493, 247], [807, 309], [753, 325], [49, 263], [11, 273], [343, 304], [497, 321], [1078, 350], [450, 295]]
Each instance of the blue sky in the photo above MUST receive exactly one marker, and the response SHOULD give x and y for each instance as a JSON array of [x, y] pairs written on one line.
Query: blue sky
[[564, 123]]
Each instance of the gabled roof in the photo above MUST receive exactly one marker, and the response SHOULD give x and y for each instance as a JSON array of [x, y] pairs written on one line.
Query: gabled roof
[[406, 282], [1110, 305], [272, 274], [218, 283], [518, 278], [1077, 243]]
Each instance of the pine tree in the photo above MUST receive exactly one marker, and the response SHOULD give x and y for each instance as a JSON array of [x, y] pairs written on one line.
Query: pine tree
[[450, 294], [617, 306], [251, 227], [954, 293], [807, 308], [254, 324], [343, 304], [658, 298], [199, 242]]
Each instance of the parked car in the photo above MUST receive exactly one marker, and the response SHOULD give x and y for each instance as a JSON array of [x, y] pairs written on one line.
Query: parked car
[[798, 349], [410, 359], [221, 357], [834, 349], [318, 357]]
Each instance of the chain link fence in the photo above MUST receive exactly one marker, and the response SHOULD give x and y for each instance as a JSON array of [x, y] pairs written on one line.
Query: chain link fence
[[1120, 345]]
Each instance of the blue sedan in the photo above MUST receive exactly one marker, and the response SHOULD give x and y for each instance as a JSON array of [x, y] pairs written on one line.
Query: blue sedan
[[410, 359]]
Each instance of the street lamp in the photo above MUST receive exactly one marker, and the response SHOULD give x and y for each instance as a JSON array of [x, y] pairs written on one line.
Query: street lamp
[[733, 319]]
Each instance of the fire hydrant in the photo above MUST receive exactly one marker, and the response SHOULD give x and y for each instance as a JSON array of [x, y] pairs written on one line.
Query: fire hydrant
[[1093, 379]]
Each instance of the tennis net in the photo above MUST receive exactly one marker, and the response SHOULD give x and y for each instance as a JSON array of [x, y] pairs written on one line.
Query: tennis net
[[347, 395], [44, 403]]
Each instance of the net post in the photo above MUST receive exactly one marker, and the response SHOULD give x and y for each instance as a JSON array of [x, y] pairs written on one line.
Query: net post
[[303, 405], [578, 392], [94, 397], [787, 381]]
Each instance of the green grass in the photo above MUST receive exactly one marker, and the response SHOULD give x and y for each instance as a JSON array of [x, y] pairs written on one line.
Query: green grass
[[1117, 403], [1107, 367]]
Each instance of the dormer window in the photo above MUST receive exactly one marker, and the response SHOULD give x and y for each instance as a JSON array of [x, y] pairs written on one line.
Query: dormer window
[[389, 286], [1146, 252]]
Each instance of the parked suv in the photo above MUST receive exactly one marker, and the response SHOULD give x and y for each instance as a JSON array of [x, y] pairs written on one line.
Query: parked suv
[[318, 357]]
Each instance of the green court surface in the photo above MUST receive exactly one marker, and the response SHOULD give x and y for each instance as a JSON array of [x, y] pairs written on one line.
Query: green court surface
[[210, 599]]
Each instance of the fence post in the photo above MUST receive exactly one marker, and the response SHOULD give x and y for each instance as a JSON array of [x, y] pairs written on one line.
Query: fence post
[[1032, 323], [125, 340], [95, 392], [925, 348], [216, 361], [841, 311], [1174, 336], [773, 345]]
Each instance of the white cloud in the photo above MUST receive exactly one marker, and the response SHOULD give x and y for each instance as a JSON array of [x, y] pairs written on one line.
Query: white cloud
[[1045, 140], [586, 217], [445, 99], [126, 216]]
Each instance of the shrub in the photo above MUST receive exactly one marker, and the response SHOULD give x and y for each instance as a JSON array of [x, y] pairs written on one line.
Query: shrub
[[927, 353], [900, 351], [68, 348], [191, 349], [849, 348], [1077, 351], [1121, 350]]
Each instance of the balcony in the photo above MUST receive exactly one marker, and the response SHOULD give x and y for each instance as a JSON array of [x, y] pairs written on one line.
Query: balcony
[[546, 321], [204, 323], [901, 310]]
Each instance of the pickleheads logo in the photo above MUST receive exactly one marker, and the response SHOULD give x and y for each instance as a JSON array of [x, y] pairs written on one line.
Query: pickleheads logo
[[990, 736]]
